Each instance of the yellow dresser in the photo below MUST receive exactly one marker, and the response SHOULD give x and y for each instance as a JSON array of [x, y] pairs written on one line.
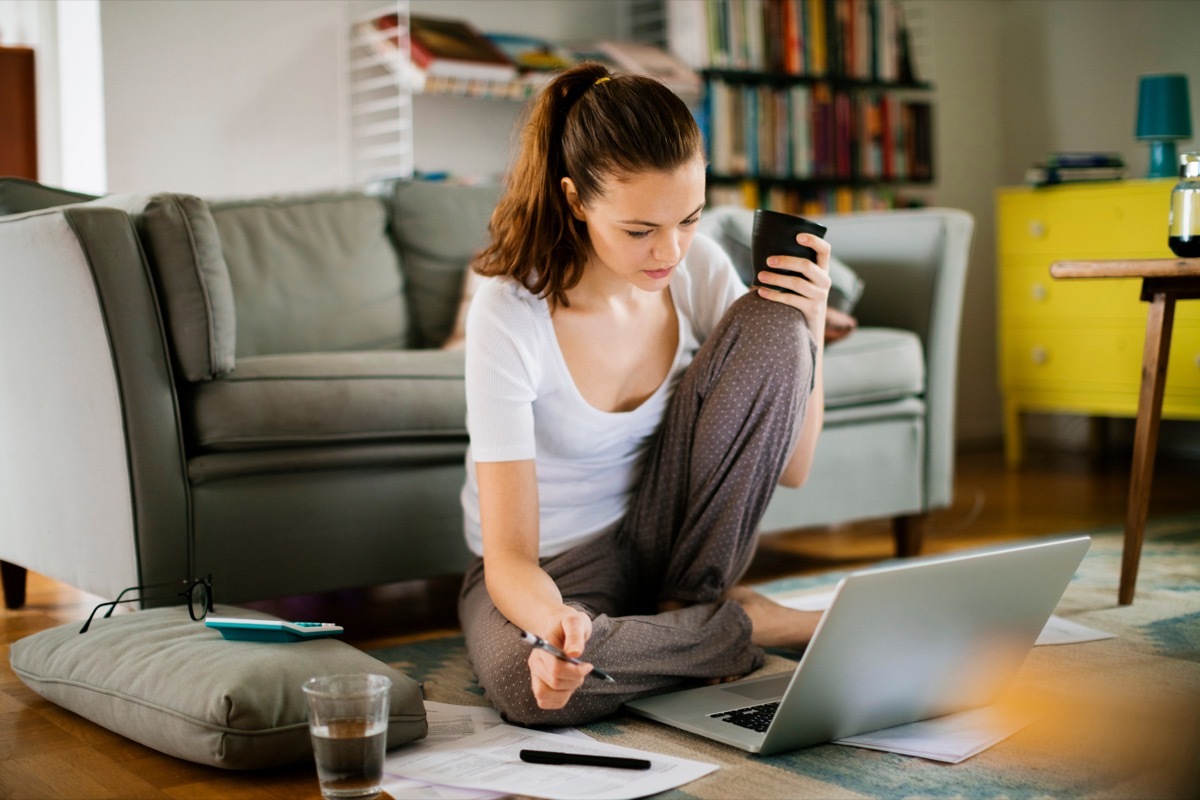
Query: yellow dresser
[[1076, 346]]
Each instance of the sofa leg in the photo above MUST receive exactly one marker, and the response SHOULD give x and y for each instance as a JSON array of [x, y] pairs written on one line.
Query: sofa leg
[[909, 532], [14, 584]]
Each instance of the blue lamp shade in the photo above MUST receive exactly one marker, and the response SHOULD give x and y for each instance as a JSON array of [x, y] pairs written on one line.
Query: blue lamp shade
[[1163, 110], [1164, 115]]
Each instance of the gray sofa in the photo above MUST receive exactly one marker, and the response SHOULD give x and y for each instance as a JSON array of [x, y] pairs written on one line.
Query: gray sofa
[[255, 389]]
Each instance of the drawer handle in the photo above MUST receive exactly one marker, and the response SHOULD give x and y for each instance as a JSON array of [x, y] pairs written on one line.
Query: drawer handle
[[1038, 290], [1037, 229], [1039, 355]]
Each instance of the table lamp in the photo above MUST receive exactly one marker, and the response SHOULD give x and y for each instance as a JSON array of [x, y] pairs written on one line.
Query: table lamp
[[1163, 117]]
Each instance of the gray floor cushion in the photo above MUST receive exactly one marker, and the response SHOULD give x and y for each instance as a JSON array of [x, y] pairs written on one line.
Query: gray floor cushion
[[175, 685]]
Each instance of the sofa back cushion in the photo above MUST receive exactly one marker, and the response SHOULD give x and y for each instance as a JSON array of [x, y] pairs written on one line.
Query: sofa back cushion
[[312, 273], [184, 252], [439, 228]]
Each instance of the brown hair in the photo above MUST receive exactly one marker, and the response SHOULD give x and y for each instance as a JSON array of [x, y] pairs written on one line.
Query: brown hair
[[589, 129]]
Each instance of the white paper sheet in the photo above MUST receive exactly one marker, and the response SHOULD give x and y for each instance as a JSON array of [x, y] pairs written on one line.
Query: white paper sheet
[[448, 723], [490, 761], [1064, 631], [1057, 630], [952, 738]]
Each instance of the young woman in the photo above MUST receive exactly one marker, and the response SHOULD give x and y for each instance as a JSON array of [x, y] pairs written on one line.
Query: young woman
[[631, 408]]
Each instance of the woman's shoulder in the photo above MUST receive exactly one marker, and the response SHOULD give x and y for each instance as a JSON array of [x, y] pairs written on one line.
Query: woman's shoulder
[[505, 298]]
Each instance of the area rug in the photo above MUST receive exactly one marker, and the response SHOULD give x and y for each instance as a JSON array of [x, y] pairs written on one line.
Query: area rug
[[1118, 718]]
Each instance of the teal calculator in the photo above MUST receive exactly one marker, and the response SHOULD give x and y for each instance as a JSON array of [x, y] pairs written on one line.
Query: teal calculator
[[271, 630]]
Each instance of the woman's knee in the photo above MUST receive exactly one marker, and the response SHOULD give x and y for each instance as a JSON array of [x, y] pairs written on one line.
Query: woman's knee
[[510, 692], [767, 326]]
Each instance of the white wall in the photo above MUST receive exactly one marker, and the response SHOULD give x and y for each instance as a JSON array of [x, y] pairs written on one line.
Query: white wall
[[962, 62], [1070, 74], [218, 97]]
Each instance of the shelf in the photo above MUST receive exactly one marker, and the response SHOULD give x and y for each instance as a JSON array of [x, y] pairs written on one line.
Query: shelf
[[856, 182], [787, 79]]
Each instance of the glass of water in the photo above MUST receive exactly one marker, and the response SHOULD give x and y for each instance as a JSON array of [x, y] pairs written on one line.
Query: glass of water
[[348, 720]]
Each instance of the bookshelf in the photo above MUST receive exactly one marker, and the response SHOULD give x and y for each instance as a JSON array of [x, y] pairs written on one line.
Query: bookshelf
[[811, 106]]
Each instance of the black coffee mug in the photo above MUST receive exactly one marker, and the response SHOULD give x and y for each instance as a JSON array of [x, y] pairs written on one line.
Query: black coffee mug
[[775, 235]]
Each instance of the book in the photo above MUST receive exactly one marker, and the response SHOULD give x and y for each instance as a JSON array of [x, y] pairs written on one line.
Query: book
[[1082, 159], [381, 36], [640, 59], [1041, 175], [449, 48], [532, 54], [1073, 167]]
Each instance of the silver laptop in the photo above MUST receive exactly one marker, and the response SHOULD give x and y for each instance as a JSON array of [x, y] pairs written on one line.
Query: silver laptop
[[899, 643]]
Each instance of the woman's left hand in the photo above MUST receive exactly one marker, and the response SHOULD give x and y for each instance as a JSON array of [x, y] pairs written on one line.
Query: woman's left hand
[[811, 291]]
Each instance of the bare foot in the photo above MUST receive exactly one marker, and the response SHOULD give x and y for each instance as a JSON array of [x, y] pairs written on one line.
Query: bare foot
[[773, 625]]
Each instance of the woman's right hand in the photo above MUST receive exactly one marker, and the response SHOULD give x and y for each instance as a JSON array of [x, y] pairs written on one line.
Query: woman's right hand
[[555, 680]]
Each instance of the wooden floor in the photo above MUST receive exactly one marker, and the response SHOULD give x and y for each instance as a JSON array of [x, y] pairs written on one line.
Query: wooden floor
[[46, 752]]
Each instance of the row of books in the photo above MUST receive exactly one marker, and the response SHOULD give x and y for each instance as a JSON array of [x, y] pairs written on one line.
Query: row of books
[[810, 201], [1076, 167], [863, 40], [453, 53], [808, 132]]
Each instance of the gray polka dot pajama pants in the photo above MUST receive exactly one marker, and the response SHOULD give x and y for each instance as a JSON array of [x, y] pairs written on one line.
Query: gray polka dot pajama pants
[[688, 536]]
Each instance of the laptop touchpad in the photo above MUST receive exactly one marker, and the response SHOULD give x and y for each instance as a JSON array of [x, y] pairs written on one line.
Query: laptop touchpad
[[761, 690]]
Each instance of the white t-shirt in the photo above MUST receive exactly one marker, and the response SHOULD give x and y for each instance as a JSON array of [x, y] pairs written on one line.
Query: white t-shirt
[[523, 404]]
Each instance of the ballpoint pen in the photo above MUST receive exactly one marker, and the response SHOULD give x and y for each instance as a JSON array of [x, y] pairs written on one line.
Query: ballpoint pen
[[579, 759], [540, 643]]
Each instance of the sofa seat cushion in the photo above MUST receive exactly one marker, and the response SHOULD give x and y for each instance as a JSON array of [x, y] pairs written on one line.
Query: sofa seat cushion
[[872, 366], [328, 398]]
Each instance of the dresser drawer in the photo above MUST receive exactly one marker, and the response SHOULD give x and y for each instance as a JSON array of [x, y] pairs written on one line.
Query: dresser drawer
[[1108, 359], [1028, 290], [1110, 220]]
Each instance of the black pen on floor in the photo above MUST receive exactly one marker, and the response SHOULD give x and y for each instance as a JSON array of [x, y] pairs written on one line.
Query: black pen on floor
[[540, 643], [581, 760]]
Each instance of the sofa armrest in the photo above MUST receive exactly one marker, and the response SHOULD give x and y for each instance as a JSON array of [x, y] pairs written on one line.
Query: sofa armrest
[[91, 485], [914, 267]]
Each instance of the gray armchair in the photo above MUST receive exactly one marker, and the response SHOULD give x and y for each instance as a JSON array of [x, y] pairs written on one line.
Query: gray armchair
[[254, 388]]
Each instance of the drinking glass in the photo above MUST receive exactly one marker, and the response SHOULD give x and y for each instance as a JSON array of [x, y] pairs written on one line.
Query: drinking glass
[[348, 720]]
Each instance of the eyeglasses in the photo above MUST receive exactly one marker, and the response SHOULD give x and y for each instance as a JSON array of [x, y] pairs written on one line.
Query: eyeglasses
[[197, 591]]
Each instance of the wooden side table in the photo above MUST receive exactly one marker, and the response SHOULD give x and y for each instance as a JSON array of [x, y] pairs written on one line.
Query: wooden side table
[[1163, 282]]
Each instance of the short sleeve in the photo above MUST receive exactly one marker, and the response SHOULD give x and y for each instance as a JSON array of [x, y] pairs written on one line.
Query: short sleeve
[[713, 287], [501, 374]]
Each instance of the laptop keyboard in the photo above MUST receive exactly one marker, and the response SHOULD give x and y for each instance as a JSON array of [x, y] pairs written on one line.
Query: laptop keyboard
[[756, 718]]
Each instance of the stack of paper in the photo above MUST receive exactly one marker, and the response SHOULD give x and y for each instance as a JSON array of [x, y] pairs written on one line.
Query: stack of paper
[[470, 754], [952, 738]]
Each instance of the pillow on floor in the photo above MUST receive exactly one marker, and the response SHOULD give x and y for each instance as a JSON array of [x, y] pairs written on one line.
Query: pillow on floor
[[175, 685]]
